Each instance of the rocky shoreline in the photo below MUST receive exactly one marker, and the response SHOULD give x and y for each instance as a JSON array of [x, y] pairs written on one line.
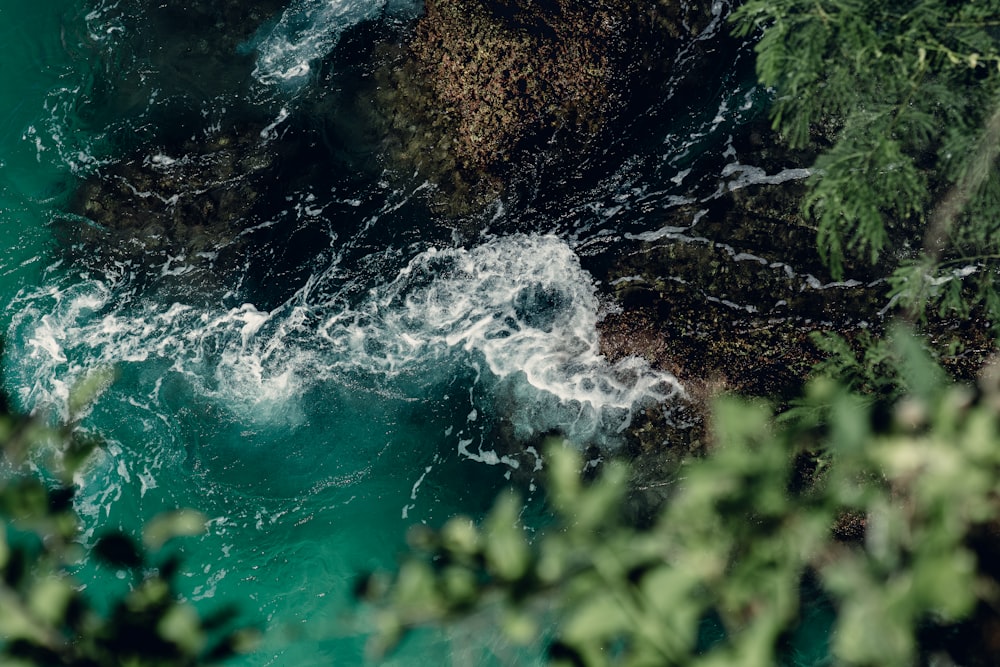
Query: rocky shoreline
[[477, 90]]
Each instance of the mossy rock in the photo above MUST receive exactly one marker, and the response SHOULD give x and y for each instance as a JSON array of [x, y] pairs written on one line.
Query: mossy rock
[[483, 85]]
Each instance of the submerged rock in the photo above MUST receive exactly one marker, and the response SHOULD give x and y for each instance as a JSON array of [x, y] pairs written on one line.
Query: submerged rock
[[183, 160], [169, 211], [485, 85]]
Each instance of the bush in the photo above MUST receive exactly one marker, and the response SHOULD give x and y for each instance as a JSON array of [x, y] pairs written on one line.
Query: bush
[[908, 95]]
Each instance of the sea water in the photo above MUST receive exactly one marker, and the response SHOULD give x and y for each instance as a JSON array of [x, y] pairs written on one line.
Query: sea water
[[355, 367]]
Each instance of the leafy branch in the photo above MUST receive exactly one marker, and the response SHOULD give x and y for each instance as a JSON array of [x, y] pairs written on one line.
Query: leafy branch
[[883, 530], [914, 90]]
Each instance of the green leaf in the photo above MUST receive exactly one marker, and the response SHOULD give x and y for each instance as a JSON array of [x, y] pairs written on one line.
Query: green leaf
[[181, 626], [4, 546], [921, 375], [459, 585], [563, 469], [506, 549], [945, 583], [553, 559], [598, 618], [870, 630], [166, 526], [669, 592], [49, 598], [415, 589], [460, 537], [16, 623], [519, 627], [602, 501], [850, 424]]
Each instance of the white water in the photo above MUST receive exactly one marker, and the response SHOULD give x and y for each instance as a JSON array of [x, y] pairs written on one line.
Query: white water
[[309, 29], [519, 313]]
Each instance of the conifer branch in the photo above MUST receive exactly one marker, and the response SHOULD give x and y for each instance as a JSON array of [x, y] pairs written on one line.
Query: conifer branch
[[945, 214]]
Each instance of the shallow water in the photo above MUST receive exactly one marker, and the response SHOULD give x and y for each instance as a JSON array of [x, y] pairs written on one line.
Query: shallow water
[[337, 363]]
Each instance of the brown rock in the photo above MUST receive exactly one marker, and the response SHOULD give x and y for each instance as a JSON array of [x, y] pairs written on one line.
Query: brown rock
[[485, 82]]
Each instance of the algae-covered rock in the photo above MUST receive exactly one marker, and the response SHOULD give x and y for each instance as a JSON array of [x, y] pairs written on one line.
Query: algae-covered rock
[[168, 210], [485, 83], [729, 292], [726, 293], [727, 298]]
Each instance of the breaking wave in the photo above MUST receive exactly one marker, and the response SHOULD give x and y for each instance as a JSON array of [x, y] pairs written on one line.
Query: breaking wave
[[518, 312], [309, 29]]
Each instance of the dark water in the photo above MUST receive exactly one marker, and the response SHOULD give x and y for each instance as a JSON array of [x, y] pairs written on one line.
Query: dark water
[[304, 351]]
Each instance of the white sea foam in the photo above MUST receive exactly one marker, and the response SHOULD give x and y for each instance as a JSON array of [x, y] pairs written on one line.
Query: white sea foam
[[520, 307], [309, 29], [524, 306]]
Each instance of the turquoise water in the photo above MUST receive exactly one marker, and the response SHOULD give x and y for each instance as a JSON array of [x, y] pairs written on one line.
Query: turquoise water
[[330, 363], [29, 180]]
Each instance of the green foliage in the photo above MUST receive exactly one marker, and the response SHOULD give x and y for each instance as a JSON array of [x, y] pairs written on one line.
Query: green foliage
[[909, 93], [45, 616], [879, 367], [862, 176], [880, 528]]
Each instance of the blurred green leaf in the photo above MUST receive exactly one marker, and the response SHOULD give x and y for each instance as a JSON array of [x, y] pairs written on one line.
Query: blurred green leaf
[[459, 584], [4, 546], [602, 501], [506, 549], [461, 537], [166, 526], [596, 619], [415, 587], [563, 466], [181, 625], [49, 598], [520, 627]]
